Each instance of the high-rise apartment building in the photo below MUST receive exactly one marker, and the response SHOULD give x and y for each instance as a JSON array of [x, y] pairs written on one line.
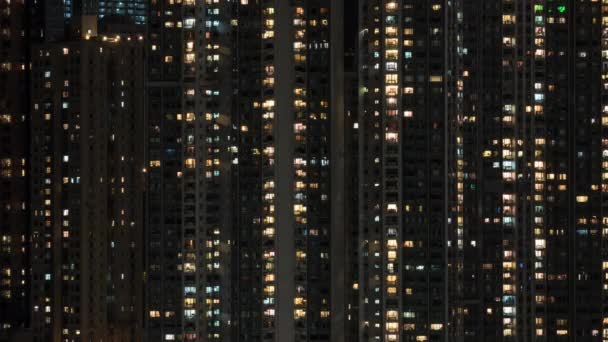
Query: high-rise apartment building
[[404, 78], [87, 189], [483, 170], [14, 272], [242, 138], [23, 23], [531, 158], [299, 111], [233, 175], [187, 237]]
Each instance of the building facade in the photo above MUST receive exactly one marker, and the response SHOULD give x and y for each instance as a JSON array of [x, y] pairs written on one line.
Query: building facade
[[529, 152], [406, 92], [483, 170], [241, 134], [135, 10], [550, 146], [233, 175], [87, 190], [187, 239], [14, 199]]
